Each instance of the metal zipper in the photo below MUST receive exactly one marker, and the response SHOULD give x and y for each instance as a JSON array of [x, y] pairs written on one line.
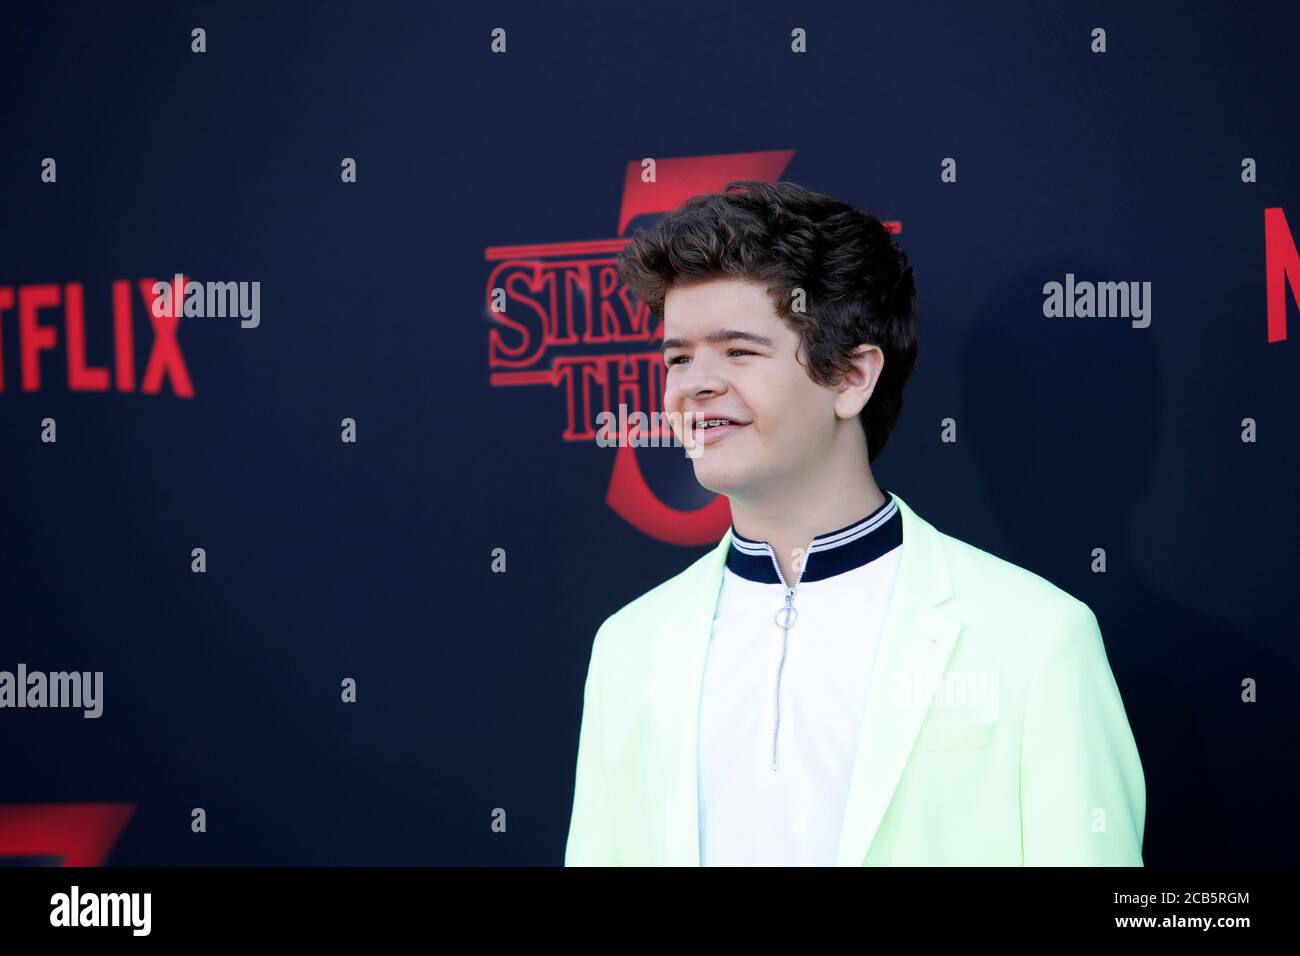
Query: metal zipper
[[785, 618]]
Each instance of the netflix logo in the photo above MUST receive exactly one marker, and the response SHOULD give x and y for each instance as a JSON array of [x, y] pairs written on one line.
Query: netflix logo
[[52, 318]]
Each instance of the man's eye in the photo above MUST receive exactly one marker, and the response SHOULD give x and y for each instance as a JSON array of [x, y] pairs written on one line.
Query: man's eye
[[677, 360]]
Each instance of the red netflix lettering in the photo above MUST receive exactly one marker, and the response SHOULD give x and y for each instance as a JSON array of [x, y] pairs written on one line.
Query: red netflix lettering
[[166, 353], [165, 362], [33, 339], [80, 378], [1281, 267]]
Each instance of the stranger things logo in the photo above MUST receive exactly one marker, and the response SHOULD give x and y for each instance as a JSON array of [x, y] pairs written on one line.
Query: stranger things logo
[[566, 295]]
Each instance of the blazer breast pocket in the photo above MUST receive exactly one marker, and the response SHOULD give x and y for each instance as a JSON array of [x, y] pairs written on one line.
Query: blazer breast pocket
[[950, 733]]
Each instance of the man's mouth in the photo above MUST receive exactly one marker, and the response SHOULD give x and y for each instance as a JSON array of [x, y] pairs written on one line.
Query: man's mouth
[[709, 430]]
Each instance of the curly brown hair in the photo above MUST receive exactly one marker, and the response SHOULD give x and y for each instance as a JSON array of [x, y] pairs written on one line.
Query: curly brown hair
[[857, 284]]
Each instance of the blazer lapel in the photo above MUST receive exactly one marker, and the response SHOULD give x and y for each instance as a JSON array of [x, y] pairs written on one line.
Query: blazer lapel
[[915, 645], [681, 652]]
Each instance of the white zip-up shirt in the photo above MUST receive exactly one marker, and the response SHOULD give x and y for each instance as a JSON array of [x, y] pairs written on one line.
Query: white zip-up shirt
[[781, 710]]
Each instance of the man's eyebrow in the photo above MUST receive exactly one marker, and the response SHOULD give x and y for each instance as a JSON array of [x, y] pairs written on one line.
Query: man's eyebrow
[[721, 335]]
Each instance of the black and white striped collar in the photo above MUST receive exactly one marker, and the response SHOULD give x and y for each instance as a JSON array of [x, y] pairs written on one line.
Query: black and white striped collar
[[829, 554]]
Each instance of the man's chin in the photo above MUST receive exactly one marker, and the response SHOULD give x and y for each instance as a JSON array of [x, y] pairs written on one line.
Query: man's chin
[[716, 477]]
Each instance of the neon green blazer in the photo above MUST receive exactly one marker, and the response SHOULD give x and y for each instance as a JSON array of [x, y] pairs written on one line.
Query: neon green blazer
[[994, 733]]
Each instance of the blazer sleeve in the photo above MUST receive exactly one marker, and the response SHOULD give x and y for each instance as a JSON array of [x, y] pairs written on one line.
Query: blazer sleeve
[[591, 837], [1082, 790]]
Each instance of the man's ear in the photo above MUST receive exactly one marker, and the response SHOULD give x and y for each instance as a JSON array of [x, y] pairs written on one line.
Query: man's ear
[[855, 388]]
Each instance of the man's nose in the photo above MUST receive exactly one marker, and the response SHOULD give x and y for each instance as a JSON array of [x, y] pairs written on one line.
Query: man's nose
[[698, 379]]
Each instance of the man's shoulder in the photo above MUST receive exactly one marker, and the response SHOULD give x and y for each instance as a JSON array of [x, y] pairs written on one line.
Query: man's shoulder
[[983, 580]]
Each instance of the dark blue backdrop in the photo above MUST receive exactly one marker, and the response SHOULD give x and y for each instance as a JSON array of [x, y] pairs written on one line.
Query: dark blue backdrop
[[372, 560]]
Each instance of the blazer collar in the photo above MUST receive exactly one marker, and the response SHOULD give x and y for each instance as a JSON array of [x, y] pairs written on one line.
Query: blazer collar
[[915, 645]]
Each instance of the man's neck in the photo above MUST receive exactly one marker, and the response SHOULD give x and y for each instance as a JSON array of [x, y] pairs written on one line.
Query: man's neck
[[790, 522]]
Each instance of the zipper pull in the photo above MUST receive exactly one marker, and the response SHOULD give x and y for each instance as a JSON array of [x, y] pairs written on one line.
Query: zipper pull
[[786, 616]]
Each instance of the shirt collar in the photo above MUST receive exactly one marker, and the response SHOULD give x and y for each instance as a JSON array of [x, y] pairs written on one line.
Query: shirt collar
[[829, 554]]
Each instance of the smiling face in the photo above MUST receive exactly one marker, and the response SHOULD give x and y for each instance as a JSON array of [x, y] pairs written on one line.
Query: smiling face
[[729, 355]]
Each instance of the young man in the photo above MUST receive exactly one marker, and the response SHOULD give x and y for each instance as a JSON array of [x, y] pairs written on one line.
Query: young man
[[837, 682]]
